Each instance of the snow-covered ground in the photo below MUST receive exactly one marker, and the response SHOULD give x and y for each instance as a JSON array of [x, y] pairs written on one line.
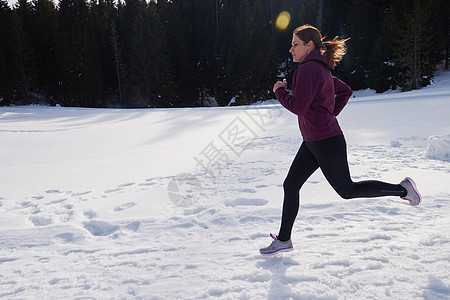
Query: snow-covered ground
[[175, 203]]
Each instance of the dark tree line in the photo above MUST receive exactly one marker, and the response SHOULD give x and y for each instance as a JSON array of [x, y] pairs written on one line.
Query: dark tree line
[[193, 52]]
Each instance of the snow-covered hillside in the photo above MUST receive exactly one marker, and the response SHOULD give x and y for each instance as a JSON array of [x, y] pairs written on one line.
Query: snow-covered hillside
[[175, 203]]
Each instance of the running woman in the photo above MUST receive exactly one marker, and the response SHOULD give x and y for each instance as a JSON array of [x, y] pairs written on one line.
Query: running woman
[[317, 98]]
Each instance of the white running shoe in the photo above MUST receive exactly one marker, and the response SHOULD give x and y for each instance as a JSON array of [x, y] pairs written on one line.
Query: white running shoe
[[277, 247], [412, 195]]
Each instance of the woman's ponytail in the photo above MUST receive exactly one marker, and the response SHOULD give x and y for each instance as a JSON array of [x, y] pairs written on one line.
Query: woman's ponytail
[[334, 49]]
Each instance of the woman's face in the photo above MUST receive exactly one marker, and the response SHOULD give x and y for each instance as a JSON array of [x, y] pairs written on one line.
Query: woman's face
[[300, 50]]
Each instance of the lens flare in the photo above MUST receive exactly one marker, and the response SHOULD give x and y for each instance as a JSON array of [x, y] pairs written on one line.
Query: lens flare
[[283, 20]]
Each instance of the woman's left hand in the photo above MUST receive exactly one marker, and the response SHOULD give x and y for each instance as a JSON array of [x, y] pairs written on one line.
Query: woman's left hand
[[279, 84]]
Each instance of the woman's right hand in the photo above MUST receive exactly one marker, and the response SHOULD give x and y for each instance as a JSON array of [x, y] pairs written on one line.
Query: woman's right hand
[[279, 84]]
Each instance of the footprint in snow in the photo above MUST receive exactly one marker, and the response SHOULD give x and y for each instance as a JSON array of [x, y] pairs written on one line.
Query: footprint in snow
[[100, 228], [133, 226], [147, 183], [57, 201], [119, 187], [249, 219], [40, 221], [246, 202], [126, 184], [245, 190], [124, 206], [67, 237], [75, 194], [258, 235], [90, 214], [26, 204], [338, 263], [108, 191], [53, 192]]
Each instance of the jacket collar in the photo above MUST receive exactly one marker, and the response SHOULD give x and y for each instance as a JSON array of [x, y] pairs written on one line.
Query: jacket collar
[[317, 56]]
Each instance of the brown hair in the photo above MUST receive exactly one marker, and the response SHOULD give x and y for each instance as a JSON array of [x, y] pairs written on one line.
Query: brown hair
[[334, 49]]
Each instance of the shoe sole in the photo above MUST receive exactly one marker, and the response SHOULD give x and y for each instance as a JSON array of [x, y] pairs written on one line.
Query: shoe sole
[[278, 251], [413, 185]]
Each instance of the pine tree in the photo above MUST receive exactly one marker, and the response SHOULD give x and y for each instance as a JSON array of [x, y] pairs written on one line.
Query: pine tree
[[27, 67], [149, 67], [27, 79], [412, 50], [224, 89], [10, 71], [161, 72], [139, 56], [383, 73], [181, 62], [359, 20], [334, 17], [440, 21], [311, 13], [334, 23], [201, 32], [45, 28], [264, 55], [78, 55], [241, 51], [126, 15], [106, 19], [117, 55]]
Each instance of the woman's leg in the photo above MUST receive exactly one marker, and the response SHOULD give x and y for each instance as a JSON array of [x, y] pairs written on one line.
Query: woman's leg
[[302, 167], [331, 154]]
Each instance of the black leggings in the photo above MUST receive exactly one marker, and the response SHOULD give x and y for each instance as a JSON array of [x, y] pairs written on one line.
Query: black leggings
[[331, 156]]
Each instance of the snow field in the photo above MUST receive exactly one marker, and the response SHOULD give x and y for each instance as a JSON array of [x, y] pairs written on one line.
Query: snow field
[[86, 214]]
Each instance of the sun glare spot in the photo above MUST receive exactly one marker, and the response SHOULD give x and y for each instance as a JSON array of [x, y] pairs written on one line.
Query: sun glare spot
[[283, 20]]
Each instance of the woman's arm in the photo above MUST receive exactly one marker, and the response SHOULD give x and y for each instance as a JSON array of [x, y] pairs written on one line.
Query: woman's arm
[[343, 93], [306, 86]]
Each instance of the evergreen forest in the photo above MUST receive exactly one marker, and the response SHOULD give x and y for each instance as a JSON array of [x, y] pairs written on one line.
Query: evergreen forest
[[186, 53]]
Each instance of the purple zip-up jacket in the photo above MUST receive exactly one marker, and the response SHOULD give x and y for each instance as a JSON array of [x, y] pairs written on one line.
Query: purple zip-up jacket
[[317, 97]]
